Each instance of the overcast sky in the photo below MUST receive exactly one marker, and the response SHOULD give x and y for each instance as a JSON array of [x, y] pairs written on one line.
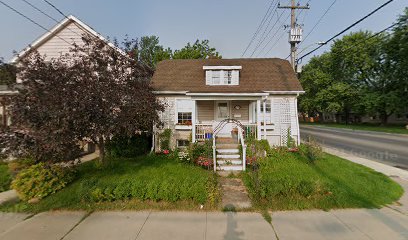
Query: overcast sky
[[228, 24]]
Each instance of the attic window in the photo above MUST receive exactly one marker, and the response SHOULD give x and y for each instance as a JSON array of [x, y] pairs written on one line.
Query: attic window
[[222, 75]]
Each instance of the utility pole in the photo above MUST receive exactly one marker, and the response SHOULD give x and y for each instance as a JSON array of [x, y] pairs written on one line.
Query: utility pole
[[296, 31]]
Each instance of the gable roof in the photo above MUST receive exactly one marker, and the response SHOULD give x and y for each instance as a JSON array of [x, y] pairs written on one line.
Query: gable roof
[[258, 75], [55, 30]]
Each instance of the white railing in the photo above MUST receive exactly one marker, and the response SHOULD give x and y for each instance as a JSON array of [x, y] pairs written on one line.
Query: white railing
[[251, 130], [203, 131], [242, 141]]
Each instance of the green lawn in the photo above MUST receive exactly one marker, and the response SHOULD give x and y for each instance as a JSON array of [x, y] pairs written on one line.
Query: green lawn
[[400, 129], [287, 181], [149, 182], [5, 178]]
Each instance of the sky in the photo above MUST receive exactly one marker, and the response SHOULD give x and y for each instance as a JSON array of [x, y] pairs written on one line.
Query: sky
[[229, 25]]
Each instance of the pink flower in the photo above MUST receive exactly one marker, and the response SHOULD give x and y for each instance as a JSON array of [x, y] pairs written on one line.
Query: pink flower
[[166, 151]]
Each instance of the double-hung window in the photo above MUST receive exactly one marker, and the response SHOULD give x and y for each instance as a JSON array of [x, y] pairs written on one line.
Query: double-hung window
[[222, 75], [184, 111]]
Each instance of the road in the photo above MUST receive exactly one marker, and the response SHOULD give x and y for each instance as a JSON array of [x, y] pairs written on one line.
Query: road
[[390, 149]]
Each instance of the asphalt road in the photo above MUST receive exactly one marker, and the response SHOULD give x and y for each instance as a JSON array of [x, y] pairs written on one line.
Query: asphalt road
[[390, 149]]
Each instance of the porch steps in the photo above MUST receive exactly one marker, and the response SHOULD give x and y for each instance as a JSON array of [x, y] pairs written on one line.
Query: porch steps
[[227, 154]]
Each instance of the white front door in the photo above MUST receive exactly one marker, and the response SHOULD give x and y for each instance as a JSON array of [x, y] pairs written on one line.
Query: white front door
[[222, 112]]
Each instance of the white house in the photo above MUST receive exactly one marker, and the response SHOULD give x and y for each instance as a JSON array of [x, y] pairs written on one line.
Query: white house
[[228, 98]]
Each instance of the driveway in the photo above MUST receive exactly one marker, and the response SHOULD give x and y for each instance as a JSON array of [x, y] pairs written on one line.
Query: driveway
[[390, 149]]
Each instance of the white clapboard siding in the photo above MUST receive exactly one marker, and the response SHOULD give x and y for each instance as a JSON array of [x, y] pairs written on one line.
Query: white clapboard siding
[[293, 118], [61, 42]]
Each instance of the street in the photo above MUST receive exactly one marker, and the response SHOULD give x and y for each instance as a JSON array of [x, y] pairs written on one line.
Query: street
[[390, 149]]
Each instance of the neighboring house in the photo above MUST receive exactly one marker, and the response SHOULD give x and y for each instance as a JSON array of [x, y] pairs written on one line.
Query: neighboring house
[[56, 42], [221, 97]]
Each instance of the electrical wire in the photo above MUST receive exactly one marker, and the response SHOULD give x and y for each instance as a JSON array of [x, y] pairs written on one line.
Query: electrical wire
[[318, 21], [258, 29], [346, 29]]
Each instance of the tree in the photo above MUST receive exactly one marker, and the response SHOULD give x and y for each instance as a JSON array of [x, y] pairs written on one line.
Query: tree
[[147, 50], [199, 50], [93, 93], [7, 73]]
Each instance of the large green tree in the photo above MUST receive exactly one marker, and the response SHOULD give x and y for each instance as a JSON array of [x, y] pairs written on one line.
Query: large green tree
[[198, 50], [7, 73]]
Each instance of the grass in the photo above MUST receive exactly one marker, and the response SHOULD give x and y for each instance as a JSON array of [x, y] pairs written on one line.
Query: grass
[[149, 182], [399, 129], [5, 177], [288, 181]]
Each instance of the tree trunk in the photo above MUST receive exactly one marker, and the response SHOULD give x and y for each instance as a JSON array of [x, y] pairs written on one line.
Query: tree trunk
[[384, 119], [101, 146]]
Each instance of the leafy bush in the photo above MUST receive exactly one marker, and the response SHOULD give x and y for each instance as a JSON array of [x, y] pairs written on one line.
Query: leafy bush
[[41, 180], [128, 147], [198, 149], [255, 150], [311, 150], [165, 138], [5, 178], [19, 164]]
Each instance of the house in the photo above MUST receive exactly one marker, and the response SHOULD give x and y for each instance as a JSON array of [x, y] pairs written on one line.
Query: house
[[228, 100]]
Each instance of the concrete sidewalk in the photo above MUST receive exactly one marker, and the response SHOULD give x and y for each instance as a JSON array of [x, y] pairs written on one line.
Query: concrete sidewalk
[[363, 224]]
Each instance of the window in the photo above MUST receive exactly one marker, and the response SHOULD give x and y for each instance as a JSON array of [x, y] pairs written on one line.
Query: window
[[182, 143], [222, 77], [228, 77], [184, 112], [184, 118], [267, 106]]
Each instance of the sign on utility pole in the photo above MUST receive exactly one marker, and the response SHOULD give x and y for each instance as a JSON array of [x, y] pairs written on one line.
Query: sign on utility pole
[[296, 31]]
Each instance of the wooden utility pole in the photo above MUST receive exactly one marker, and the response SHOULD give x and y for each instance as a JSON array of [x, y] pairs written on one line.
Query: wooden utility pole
[[295, 33]]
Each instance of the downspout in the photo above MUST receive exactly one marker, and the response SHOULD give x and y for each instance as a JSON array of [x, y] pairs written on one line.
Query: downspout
[[297, 119]]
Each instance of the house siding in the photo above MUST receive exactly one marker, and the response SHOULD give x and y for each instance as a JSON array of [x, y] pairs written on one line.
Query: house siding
[[241, 114], [61, 42], [205, 111]]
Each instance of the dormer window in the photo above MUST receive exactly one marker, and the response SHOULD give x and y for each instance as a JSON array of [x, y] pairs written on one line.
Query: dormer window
[[222, 75]]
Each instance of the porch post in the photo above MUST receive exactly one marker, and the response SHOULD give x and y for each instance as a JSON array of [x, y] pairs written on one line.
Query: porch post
[[193, 121], [258, 122], [264, 117]]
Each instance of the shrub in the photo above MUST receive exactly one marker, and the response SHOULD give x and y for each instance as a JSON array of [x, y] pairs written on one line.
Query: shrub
[[311, 150], [204, 150], [5, 178], [165, 138], [41, 180], [128, 147], [255, 150], [17, 165]]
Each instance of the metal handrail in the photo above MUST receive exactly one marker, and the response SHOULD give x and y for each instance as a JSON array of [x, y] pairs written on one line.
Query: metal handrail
[[241, 138]]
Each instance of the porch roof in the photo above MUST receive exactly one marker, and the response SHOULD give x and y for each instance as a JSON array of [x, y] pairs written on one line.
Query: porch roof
[[257, 75]]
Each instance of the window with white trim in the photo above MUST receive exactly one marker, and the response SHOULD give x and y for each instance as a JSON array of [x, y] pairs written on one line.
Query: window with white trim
[[184, 111], [267, 107], [222, 77], [182, 143]]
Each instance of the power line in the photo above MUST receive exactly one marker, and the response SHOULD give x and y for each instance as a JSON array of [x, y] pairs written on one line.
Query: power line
[[261, 41], [266, 28], [36, 8], [346, 29], [29, 19], [258, 29], [53, 6], [274, 44], [318, 21]]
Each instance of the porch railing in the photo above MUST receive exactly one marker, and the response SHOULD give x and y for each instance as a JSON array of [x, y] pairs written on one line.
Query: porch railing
[[203, 131], [250, 130]]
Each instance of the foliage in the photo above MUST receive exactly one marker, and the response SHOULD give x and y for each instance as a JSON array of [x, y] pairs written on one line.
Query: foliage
[[198, 50], [311, 151], [255, 150], [147, 50], [41, 180], [165, 138], [17, 165], [108, 92], [361, 73], [7, 73], [134, 146], [199, 149], [5, 177], [286, 180]]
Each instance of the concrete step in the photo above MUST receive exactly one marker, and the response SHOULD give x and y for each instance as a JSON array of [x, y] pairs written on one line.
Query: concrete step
[[228, 156], [228, 151], [229, 167], [225, 140], [229, 162], [227, 145]]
